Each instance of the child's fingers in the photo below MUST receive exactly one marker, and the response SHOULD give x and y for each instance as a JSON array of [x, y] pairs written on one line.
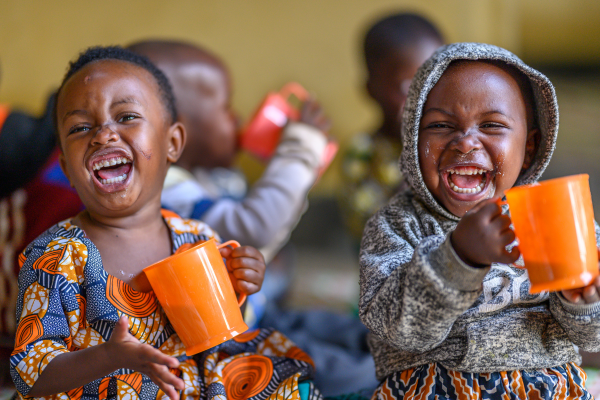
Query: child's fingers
[[508, 258], [573, 296], [491, 207], [156, 357], [121, 330], [247, 288], [170, 390], [246, 263], [246, 251], [248, 275], [225, 251], [590, 294]]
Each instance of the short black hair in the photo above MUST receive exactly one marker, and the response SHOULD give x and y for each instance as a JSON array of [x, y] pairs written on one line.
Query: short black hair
[[396, 32], [99, 53]]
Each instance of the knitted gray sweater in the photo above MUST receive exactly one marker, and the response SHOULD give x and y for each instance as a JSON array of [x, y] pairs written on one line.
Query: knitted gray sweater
[[423, 304]]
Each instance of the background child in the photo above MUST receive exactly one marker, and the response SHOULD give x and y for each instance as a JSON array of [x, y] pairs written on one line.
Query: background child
[[88, 323], [202, 185], [394, 47], [450, 315]]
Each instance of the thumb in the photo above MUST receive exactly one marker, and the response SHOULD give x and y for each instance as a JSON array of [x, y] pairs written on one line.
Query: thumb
[[121, 330], [225, 251]]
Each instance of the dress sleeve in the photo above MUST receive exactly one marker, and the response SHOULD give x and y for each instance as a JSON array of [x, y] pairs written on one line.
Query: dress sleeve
[[49, 307], [412, 288]]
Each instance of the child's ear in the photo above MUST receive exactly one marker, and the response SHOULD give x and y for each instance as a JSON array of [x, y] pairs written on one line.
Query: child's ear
[[63, 165], [177, 138], [533, 139]]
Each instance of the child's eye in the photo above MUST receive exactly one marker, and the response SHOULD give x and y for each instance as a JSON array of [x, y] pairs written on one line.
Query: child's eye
[[127, 117], [439, 125], [79, 128], [492, 125]]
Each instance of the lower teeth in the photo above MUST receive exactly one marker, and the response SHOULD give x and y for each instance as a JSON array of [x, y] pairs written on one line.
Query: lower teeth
[[474, 190], [113, 180]]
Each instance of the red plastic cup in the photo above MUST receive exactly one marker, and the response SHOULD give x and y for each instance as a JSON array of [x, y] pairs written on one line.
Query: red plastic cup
[[261, 135]]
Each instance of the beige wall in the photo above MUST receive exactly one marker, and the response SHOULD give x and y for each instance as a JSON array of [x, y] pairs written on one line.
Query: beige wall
[[267, 42]]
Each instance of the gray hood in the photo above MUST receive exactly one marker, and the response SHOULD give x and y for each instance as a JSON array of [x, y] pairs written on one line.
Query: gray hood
[[546, 110]]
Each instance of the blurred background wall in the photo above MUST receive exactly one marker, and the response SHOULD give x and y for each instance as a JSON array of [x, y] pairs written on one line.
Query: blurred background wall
[[316, 42]]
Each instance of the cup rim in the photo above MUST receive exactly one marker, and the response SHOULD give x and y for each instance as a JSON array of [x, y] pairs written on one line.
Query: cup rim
[[548, 182], [194, 247]]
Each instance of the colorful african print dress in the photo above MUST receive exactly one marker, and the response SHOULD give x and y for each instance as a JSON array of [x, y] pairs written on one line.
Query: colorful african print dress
[[68, 302], [434, 382]]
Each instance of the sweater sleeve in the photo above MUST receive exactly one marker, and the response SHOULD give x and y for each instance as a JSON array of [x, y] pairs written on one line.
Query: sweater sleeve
[[581, 322], [413, 288], [275, 202]]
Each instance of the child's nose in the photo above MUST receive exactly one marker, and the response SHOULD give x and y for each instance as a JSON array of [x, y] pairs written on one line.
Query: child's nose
[[466, 142], [105, 134]]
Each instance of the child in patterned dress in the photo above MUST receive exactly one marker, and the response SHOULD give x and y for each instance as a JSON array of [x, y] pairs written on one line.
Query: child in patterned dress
[[450, 316], [88, 324]]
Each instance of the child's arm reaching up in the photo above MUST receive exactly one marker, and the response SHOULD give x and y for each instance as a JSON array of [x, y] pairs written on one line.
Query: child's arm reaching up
[[75, 369], [415, 282], [276, 201]]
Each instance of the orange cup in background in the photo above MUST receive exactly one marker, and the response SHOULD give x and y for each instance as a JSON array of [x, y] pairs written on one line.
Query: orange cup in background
[[261, 135], [554, 223], [195, 290]]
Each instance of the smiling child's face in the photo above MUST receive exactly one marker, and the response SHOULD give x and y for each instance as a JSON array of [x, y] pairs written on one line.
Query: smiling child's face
[[116, 137], [475, 135]]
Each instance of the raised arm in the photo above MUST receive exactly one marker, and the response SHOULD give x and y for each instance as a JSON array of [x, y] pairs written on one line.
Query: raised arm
[[275, 202], [413, 287]]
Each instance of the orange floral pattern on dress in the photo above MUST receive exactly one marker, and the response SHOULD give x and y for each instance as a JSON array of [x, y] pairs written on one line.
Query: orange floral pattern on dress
[[247, 376], [49, 261], [299, 354], [30, 329], [130, 301]]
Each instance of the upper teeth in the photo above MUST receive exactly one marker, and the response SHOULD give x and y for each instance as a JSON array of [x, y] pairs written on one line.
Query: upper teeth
[[109, 162], [467, 171]]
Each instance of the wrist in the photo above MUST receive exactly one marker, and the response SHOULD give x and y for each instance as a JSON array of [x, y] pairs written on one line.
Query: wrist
[[109, 356]]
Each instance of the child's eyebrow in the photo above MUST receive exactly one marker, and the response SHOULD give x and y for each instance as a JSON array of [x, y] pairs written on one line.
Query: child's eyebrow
[[74, 112], [126, 100], [496, 112], [438, 110]]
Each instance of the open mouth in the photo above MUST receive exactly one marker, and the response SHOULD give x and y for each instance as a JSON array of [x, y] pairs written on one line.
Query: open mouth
[[113, 170], [468, 180]]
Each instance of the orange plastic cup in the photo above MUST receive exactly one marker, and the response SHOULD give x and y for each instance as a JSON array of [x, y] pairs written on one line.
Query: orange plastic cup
[[195, 290], [554, 223], [261, 136]]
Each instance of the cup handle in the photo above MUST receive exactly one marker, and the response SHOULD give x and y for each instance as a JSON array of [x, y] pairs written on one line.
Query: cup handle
[[234, 244], [295, 89]]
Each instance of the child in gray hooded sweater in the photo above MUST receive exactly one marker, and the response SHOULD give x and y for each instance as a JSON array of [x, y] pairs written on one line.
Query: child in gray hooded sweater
[[450, 315]]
